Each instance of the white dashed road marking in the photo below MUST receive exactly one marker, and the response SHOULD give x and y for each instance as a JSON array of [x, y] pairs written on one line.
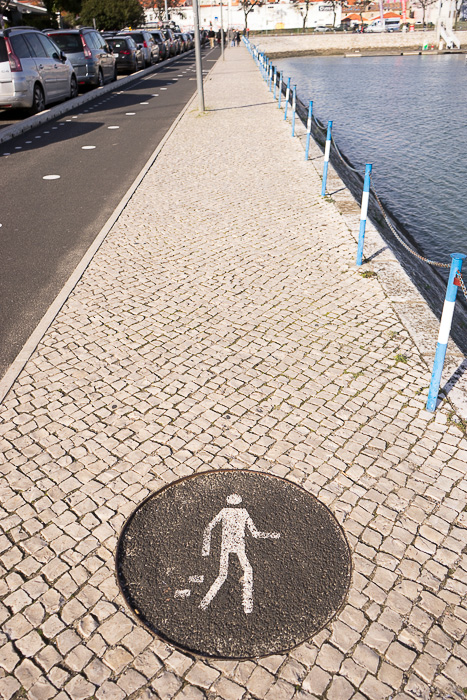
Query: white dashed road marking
[[87, 148], [51, 177]]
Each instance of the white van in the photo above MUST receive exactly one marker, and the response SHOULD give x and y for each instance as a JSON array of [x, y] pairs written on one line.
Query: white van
[[390, 25]]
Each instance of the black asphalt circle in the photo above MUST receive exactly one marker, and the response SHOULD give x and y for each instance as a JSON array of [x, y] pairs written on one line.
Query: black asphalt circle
[[233, 564]]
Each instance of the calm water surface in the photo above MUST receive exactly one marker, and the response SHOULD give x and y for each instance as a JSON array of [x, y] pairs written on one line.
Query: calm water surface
[[407, 115]]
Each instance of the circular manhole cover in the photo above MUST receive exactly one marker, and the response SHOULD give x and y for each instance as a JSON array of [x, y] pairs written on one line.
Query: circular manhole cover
[[233, 564]]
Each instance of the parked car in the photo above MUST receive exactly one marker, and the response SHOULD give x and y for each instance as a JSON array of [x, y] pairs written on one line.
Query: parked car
[[129, 57], [33, 70], [190, 40], [181, 41], [164, 48], [145, 40], [89, 53], [174, 47]]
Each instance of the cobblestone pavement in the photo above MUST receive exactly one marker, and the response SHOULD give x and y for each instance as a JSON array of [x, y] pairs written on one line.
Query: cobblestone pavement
[[223, 324]]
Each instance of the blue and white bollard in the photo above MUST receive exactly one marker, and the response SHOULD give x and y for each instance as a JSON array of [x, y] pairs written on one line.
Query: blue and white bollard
[[275, 82], [281, 74], [294, 105], [444, 330], [363, 213], [287, 96], [308, 129], [327, 151], [270, 77]]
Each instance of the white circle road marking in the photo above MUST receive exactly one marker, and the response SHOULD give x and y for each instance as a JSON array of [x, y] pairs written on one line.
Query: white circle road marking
[[113, 127], [51, 177], [87, 148]]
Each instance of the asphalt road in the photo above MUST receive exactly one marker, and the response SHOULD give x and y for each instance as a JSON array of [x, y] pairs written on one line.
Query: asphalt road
[[46, 225]]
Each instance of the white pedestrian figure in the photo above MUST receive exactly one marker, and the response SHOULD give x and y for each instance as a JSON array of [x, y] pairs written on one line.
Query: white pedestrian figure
[[234, 523]]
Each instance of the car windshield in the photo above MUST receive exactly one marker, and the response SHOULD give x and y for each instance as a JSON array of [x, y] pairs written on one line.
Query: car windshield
[[3, 51], [68, 43]]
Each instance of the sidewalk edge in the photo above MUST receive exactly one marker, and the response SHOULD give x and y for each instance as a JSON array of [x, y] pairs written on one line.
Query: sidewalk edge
[[18, 364]]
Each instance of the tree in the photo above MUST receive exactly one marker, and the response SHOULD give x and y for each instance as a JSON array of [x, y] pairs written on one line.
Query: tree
[[302, 7], [362, 6], [112, 14], [248, 6], [159, 7], [335, 4], [424, 4], [3, 8]]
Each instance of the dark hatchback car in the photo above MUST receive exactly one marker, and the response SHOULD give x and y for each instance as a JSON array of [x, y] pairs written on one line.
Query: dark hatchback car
[[146, 41], [89, 55], [129, 57]]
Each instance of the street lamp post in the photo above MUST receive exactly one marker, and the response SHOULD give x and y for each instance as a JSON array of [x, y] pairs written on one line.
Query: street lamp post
[[222, 32], [199, 68]]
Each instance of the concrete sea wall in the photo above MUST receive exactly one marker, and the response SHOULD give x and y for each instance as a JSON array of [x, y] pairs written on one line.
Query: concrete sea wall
[[347, 42]]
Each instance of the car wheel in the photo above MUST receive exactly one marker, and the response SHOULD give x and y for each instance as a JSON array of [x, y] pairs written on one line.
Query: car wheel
[[73, 87], [100, 78], [38, 99]]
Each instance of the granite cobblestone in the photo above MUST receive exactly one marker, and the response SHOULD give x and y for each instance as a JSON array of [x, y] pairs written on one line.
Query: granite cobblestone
[[221, 333]]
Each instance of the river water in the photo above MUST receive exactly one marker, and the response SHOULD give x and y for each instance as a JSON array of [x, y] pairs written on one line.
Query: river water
[[407, 115]]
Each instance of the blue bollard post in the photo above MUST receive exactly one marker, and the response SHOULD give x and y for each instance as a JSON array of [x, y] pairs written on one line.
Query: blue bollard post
[[270, 77], [444, 330], [287, 96], [280, 87], [275, 82], [327, 150], [294, 105], [308, 129], [363, 213]]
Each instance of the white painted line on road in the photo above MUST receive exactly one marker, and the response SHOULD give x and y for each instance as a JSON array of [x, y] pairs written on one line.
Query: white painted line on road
[[129, 114], [87, 148], [46, 132], [51, 177], [28, 141], [113, 127], [75, 116], [155, 95], [184, 593], [6, 154], [144, 103], [163, 88], [68, 120], [37, 137], [18, 148]]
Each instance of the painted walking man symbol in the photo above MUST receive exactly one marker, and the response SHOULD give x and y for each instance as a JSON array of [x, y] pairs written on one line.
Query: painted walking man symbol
[[234, 521]]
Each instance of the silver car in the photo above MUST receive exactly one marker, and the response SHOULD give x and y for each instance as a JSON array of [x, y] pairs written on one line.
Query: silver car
[[91, 57], [33, 70]]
